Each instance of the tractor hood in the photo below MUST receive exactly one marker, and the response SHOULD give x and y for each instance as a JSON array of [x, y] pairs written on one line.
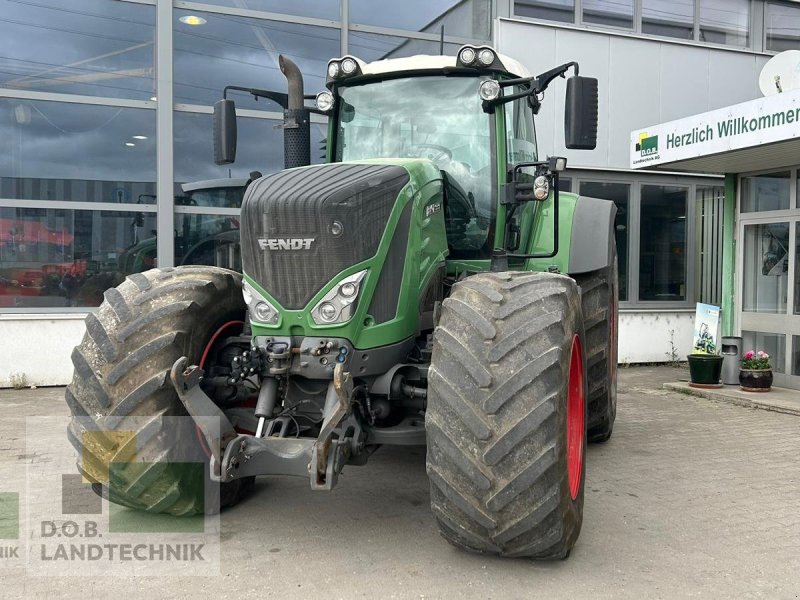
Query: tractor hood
[[304, 230]]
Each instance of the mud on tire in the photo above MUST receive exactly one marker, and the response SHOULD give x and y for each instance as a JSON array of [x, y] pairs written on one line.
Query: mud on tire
[[121, 384], [496, 419]]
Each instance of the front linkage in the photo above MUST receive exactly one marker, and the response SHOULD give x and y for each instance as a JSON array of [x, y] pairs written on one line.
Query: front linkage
[[235, 455]]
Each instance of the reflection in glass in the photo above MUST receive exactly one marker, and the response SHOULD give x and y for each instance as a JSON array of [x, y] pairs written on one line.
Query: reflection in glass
[[773, 344], [662, 243], [725, 21], [375, 46], [614, 13], [765, 192], [58, 258], [619, 194], [463, 18], [796, 355], [208, 240], [88, 47], [783, 26], [551, 10], [796, 269], [74, 152], [766, 268], [320, 9], [259, 147], [229, 50], [669, 18]]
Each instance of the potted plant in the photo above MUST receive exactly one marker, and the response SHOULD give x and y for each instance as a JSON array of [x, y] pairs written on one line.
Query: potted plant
[[705, 363], [756, 372]]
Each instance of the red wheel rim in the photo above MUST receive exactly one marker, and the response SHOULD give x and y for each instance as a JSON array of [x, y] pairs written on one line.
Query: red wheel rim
[[576, 411]]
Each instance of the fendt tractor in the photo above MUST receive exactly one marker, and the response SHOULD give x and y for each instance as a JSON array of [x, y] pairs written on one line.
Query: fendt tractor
[[427, 285]]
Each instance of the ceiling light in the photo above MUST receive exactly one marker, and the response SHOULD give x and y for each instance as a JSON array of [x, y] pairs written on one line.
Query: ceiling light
[[192, 20], [139, 137], [130, 144]]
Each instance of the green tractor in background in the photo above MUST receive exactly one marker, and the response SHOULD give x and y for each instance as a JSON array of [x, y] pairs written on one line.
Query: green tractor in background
[[427, 285]]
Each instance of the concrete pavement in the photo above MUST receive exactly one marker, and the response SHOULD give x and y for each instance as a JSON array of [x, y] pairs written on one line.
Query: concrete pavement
[[690, 498]]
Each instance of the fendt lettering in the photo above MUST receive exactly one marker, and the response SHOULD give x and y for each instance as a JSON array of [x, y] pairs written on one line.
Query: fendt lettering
[[285, 243]]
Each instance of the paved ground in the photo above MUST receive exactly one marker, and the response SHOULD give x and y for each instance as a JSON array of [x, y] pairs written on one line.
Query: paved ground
[[690, 498]]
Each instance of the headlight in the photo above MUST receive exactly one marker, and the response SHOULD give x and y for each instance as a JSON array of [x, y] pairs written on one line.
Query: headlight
[[467, 55], [324, 101], [338, 305], [333, 69], [261, 309], [541, 188], [348, 66], [486, 57], [489, 90]]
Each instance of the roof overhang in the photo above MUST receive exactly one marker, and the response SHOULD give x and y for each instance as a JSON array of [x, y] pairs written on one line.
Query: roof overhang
[[756, 135]]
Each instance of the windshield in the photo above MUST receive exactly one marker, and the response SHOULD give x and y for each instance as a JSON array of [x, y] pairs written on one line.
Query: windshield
[[438, 118]]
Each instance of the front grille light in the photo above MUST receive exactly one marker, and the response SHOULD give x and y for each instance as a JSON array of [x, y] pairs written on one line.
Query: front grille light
[[339, 304], [261, 310]]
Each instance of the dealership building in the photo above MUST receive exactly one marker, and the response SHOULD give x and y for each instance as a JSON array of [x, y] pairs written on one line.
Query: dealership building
[[105, 114]]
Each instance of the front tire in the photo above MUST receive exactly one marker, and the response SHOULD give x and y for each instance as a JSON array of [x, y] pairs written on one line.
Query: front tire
[[122, 399], [506, 415]]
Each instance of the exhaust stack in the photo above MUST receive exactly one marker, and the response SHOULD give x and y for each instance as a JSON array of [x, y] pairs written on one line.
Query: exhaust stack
[[296, 117]]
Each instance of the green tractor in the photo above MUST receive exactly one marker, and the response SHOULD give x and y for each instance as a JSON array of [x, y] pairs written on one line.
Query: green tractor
[[427, 285]]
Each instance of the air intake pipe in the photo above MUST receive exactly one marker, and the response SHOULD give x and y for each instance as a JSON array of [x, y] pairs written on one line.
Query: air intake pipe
[[296, 118]]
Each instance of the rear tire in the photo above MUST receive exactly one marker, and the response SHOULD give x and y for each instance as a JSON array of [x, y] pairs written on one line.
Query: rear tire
[[601, 319], [121, 383], [506, 350]]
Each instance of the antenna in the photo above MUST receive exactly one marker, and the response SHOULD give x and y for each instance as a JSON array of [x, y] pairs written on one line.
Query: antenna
[[781, 73]]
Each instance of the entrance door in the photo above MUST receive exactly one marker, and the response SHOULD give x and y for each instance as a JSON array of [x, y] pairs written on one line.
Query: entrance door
[[768, 295]]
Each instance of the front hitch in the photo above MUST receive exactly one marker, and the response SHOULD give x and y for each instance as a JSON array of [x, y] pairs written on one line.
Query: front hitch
[[235, 455]]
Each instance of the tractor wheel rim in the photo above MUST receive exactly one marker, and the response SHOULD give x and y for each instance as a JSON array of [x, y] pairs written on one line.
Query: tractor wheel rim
[[576, 411]]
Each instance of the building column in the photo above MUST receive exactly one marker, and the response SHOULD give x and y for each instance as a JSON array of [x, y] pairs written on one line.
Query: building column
[[165, 215], [728, 254]]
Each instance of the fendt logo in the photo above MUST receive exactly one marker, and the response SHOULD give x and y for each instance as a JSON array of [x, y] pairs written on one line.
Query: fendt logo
[[647, 145], [285, 243]]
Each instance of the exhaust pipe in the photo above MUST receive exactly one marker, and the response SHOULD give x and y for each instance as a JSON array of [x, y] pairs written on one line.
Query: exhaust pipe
[[296, 118]]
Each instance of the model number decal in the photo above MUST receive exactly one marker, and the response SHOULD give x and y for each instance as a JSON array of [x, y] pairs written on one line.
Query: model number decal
[[285, 243], [433, 208]]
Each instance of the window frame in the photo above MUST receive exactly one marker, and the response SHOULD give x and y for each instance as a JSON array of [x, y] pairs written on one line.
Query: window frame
[[636, 181], [756, 34]]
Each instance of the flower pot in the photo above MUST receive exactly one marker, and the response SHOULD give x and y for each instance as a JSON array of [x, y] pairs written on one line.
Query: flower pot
[[755, 380], [705, 369]]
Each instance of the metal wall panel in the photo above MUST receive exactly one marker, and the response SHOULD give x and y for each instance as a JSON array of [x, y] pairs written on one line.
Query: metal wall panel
[[643, 81]]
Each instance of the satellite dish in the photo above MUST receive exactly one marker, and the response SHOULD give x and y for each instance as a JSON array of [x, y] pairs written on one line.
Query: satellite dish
[[781, 73]]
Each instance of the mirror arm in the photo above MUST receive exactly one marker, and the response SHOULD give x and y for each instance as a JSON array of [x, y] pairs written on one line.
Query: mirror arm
[[277, 97], [536, 85]]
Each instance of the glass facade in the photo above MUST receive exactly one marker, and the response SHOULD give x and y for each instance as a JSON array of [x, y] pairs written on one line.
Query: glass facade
[[79, 177]]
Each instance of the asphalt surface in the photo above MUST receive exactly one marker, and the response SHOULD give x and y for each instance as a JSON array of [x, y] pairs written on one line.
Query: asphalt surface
[[690, 498]]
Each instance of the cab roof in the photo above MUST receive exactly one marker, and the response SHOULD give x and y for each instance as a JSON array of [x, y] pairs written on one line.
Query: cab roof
[[428, 62]]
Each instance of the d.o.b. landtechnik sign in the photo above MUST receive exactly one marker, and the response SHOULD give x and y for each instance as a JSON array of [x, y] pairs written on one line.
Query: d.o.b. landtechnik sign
[[762, 121]]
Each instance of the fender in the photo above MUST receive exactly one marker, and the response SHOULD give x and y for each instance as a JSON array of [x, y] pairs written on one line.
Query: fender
[[592, 235]]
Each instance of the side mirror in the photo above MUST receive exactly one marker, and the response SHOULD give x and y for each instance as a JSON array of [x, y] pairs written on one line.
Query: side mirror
[[224, 132], [580, 115]]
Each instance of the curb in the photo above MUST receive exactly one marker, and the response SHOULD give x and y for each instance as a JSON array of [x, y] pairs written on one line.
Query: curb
[[733, 396]]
